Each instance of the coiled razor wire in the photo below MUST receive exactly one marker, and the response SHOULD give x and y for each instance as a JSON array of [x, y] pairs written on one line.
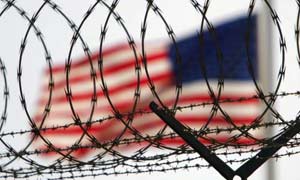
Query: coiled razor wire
[[112, 160]]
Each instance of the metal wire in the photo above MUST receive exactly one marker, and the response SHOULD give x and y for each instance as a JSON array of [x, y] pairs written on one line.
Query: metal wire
[[109, 157]]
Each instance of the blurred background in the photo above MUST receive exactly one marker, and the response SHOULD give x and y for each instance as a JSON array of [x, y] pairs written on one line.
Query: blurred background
[[185, 22]]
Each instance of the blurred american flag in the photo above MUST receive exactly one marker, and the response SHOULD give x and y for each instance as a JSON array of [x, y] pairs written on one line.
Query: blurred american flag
[[121, 80]]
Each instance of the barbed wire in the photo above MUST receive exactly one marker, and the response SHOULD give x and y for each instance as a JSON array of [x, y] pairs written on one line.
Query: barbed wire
[[145, 111], [111, 154]]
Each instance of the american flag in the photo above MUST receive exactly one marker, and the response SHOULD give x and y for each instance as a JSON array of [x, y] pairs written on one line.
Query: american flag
[[121, 80]]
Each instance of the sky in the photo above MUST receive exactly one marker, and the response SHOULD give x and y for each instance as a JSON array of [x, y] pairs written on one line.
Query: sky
[[184, 20]]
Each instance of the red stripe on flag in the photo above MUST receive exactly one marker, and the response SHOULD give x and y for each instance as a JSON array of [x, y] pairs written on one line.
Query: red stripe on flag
[[126, 105], [166, 76], [107, 71], [85, 60], [151, 124], [175, 141]]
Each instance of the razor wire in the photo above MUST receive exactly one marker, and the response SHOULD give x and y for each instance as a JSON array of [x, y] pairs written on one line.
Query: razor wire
[[111, 160]]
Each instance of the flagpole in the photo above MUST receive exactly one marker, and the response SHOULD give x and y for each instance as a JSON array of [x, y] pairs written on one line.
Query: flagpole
[[266, 66]]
